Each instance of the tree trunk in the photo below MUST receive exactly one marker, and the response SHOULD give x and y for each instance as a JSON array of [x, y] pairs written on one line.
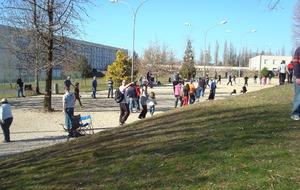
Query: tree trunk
[[48, 95], [37, 83]]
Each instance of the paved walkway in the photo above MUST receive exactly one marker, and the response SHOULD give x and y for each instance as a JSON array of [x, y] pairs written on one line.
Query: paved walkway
[[33, 129]]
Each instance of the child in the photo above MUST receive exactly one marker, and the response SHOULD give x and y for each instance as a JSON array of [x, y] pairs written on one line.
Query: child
[[186, 94], [144, 97], [76, 93], [152, 103]]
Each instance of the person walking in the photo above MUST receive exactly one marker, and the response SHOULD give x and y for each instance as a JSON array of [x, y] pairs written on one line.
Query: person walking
[[202, 85], [144, 98], [138, 95], [291, 70], [178, 93], [229, 80], [94, 87], [68, 82], [152, 103], [110, 83], [124, 107], [6, 119], [282, 69], [68, 108], [219, 79], [77, 94], [20, 85], [295, 115]]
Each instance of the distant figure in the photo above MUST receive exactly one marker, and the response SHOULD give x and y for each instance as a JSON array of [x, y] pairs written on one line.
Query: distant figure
[[68, 82], [233, 92], [178, 93], [219, 79], [144, 98], [264, 80], [110, 83], [255, 79], [229, 80], [20, 85], [244, 89], [290, 74], [246, 80], [282, 69], [152, 103], [191, 92], [94, 87], [6, 119], [213, 87], [270, 78], [124, 107], [77, 94], [186, 95]]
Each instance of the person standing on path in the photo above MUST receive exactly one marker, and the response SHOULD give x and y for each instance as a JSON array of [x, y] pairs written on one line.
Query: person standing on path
[[178, 94], [94, 87], [152, 103], [20, 85], [144, 98], [246, 80], [110, 83], [6, 119], [291, 70], [124, 108], [191, 92], [132, 98], [296, 104], [68, 108], [282, 69]]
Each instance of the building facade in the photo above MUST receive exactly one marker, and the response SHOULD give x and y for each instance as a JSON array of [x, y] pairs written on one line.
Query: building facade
[[98, 56], [271, 62]]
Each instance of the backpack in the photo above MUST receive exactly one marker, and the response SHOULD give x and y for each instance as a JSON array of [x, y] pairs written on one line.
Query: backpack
[[119, 96]]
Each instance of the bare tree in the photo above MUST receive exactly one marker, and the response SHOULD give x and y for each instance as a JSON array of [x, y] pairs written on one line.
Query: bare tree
[[216, 57], [51, 21], [225, 54]]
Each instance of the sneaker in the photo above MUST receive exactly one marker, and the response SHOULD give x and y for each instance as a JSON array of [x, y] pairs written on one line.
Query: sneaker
[[295, 117]]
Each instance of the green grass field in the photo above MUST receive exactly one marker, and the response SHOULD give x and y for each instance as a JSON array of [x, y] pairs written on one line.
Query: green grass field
[[245, 142]]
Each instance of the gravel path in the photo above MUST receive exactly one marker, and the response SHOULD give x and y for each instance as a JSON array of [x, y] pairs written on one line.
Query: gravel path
[[33, 129]]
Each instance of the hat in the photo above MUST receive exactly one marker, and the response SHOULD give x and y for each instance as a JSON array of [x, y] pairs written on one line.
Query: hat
[[4, 100]]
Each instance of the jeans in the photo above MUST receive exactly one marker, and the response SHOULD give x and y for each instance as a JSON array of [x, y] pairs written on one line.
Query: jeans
[[110, 92], [94, 92], [132, 104], [290, 76], [20, 90], [69, 113], [124, 112], [5, 128], [152, 110], [192, 98], [177, 97], [296, 103]]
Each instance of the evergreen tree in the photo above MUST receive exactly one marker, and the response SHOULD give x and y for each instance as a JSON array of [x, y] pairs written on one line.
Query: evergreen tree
[[188, 66], [120, 69], [83, 67]]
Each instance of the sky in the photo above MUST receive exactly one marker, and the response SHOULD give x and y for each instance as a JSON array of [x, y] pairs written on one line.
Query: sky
[[163, 21]]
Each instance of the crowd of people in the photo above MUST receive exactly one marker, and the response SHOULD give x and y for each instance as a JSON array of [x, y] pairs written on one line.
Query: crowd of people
[[137, 99]]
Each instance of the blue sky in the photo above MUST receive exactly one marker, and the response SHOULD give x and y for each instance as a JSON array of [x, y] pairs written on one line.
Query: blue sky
[[163, 21]]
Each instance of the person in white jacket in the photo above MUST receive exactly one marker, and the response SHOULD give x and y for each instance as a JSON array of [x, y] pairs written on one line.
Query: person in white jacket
[[6, 119]]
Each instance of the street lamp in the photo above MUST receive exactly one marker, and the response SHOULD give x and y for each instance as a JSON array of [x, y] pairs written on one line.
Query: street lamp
[[205, 35], [134, 13], [241, 42]]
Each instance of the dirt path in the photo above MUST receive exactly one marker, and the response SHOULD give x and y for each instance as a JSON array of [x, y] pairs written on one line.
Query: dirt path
[[33, 129]]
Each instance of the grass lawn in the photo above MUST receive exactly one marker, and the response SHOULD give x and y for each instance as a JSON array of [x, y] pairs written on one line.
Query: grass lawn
[[244, 142]]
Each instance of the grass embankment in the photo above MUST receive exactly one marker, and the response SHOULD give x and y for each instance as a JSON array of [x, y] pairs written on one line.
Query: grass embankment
[[245, 142]]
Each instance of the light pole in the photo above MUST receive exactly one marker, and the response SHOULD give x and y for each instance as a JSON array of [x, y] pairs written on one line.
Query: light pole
[[134, 13], [205, 35], [241, 42]]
